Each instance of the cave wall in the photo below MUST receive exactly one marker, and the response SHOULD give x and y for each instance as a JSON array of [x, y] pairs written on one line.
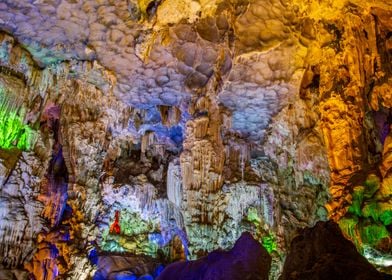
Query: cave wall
[[168, 128]]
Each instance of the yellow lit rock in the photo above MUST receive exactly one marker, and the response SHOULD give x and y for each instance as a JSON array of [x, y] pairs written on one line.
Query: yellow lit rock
[[192, 112]]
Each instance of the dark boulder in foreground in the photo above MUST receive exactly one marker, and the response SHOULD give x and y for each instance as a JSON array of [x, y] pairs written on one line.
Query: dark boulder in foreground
[[124, 267], [247, 260], [322, 253]]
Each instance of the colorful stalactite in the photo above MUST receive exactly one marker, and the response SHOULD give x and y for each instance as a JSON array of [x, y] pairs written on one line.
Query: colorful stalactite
[[54, 197], [268, 241], [115, 227], [13, 133], [54, 191]]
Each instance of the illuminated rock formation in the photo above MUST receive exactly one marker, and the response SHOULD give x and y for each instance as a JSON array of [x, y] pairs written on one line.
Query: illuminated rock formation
[[138, 133]]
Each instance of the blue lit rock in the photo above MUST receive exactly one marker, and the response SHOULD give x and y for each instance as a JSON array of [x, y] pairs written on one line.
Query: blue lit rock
[[195, 121], [247, 259]]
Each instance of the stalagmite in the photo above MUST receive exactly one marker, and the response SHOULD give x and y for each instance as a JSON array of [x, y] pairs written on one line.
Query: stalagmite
[[138, 133]]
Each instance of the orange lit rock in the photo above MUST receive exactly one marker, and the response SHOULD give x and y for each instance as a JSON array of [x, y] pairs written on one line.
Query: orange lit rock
[[204, 112], [115, 227]]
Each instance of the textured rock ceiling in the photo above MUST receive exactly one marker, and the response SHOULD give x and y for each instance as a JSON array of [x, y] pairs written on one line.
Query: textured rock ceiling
[[157, 62], [142, 132]]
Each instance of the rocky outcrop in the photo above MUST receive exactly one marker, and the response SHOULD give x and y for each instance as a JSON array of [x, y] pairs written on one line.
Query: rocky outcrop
[[126, 267], [186, 123], [322, 252], [246, 260]]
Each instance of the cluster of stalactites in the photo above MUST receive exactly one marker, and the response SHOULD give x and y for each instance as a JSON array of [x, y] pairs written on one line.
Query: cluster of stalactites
[[13, 131]]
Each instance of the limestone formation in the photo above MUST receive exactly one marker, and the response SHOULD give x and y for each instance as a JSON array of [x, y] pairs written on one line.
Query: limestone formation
[[139, 133]]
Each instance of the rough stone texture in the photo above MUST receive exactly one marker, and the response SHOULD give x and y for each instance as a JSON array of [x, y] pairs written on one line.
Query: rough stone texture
[[195, 121], [120, 267], [322, 252], [246, 260]]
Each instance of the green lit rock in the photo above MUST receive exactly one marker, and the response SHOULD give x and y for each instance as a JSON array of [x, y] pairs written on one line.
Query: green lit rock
[[13, 133], [372, 210], [378, 211], [133, 224], [355, 207], [372, 184], [269, 243], [371, 234], [253, 216], [348, 226], [367, 217], [386, 217], [135, 236]]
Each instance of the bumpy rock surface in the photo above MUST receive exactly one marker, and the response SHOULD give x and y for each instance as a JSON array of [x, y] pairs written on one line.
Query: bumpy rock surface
[[184, 123], [124, 267], [247, 260]]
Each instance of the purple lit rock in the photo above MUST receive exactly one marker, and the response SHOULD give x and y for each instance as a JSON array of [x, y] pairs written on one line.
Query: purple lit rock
[[124, 267], [247, 260]]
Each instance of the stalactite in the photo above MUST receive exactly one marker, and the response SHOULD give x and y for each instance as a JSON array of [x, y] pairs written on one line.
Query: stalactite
[[168, 128], [147, 139], [267, 201], [53, 194], [13, 133], [19, 215]]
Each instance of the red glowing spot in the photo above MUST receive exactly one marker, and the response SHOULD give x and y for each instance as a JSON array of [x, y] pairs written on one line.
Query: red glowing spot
[[115, 227]]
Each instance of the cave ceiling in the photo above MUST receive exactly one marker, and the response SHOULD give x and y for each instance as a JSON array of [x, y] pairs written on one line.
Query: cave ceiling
[[168, 128]]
